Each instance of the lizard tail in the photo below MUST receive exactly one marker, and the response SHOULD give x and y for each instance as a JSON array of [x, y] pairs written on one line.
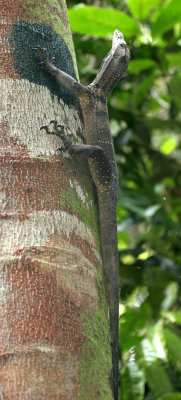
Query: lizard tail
[[108, 232]]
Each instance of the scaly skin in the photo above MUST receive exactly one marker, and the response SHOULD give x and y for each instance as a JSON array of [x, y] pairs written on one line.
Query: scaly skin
[[99, 150]]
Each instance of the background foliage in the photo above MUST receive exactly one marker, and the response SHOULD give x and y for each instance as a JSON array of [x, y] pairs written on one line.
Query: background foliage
[[145, 118]]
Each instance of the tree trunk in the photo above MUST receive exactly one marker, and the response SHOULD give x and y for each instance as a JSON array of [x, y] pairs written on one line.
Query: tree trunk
[[54, 329]]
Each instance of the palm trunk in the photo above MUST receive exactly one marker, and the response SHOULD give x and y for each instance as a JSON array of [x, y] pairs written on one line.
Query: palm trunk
[[52, 299]]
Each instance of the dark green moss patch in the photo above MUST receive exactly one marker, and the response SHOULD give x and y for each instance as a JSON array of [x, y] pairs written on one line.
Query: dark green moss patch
[[23, 38], [69, 198]]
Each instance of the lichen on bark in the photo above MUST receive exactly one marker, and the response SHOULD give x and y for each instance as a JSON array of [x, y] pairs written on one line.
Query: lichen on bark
[[96, 361]]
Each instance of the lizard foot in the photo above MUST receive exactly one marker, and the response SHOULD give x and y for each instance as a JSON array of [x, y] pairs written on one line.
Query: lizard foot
[[42, 55], [58, 130]]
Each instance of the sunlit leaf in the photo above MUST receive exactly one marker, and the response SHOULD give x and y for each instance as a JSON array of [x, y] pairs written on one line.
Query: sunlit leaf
[[177, 316], [142, 8], [174, 59], [169, 16], [168, 145], [147, 359], [121, 213], [155, 333], [133, 382], [123, 240], [145, 353], [174, 346], [127, 259], [144, 255], [150, 211], [171, 294], [158, 379], [101, 22], [131, 323], [171, 396]]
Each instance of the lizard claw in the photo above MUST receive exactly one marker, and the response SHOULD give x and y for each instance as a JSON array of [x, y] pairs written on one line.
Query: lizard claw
[[60, 149], [54, 121], [45, 127], [47, 130], [45, 63], [58, 130], [41, 53], [61, 130]]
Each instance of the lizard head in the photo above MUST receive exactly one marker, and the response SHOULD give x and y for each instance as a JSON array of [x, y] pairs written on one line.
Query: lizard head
[[119, 44]]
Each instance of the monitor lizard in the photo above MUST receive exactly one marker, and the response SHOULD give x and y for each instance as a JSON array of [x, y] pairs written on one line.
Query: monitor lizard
[[99, 150]]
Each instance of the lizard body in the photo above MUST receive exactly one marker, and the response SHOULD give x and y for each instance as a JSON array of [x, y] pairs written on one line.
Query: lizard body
[[99, 150]]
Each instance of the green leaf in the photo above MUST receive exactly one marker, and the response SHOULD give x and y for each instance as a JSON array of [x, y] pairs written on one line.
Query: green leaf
[[174, 59], [170, 296], [169, 182], [174, 346], [141, 64], [132, 321], [169, 144], [175, 88], [121, 213], [142, 8], [168, 17], [150, 211], [158, 379], [134, 201], [156, 280], [133, 382], [146, 356], [177, 316], [101, 22], [171, 396], [138, 203], [154, 123], [123, 240], [141, 91], [155, 333]]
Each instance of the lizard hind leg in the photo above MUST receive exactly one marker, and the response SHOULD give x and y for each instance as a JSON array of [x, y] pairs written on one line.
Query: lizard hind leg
[[99, 162]]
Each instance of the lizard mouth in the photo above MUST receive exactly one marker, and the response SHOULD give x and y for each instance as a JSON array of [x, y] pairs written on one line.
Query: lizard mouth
[[123, 47], [118, 41], [118, 36]]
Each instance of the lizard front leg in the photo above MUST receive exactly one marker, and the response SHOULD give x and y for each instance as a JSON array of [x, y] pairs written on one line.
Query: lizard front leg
[[66, 80]]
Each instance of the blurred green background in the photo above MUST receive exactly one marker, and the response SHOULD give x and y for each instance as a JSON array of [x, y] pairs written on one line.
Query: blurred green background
[[145, 118]]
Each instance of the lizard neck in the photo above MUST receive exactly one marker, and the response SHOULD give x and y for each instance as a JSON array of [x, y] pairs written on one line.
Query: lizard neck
[[112, 69]]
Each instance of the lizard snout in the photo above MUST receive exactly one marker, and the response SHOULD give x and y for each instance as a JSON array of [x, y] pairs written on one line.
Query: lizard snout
[[123, 44]]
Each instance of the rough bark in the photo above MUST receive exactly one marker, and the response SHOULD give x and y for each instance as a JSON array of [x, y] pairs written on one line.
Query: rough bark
[[54, 329]]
